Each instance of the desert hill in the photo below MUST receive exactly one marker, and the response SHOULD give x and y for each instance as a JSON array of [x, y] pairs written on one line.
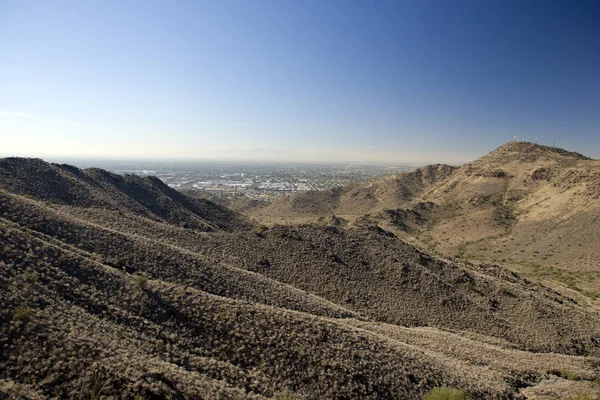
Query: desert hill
[[385, 279], [532, 208], [354, 200], [115, 287], [71, 187]]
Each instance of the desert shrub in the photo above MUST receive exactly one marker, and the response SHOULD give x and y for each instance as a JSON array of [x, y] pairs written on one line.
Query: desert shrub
[[586, 397], [94, 383], [140, 281], [30, 277], [447, 393], [259, 229], [285, 395], [571, 376], [22, 313]]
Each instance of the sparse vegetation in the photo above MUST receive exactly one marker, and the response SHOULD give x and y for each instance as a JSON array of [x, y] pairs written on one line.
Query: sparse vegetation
[[22, 313], [140, 281], [259, 229], [447, 393], [571, 376], [94, 384], [586, 396], [330, 310], [285, 395], [30, 277]]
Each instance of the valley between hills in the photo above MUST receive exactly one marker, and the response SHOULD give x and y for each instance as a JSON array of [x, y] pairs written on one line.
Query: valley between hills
[[483, 278]]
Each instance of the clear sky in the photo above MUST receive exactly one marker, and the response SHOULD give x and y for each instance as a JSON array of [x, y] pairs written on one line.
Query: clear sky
[[405, 81]]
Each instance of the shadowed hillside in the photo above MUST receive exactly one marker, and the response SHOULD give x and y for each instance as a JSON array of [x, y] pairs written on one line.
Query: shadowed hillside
[[110, 287], [95, 188]]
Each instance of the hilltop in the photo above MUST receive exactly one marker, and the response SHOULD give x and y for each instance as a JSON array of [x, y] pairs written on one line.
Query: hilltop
[[529, 207], [119, 286]]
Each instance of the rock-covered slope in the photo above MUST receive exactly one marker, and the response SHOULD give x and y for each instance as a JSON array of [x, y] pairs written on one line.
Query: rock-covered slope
[[354, 200], [532, 208], [69, 323], [385, 279], [148, 197], [103, 298]]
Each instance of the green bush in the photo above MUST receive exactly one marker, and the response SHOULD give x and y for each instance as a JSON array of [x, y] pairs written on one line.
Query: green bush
[[571, 376], [447, 393], [585, 397], [30, 277], [285, 395], [259, 229], [22, 313], [140, 281]]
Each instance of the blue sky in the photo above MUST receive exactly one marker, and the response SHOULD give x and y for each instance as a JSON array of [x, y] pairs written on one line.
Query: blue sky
[[404, 81]]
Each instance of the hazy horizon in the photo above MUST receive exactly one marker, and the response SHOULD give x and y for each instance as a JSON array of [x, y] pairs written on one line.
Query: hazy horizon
[[93, 160], [253, 157], [411, 82], [262, 156]]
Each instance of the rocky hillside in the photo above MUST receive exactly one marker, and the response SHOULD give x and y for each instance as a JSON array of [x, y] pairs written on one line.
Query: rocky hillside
[[354, 200], [148, 197], [373, 273], [532, 208], [103, 299]]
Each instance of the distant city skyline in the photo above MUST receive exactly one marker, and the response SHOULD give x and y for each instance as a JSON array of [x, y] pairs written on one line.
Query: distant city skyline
[[410, 82]]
